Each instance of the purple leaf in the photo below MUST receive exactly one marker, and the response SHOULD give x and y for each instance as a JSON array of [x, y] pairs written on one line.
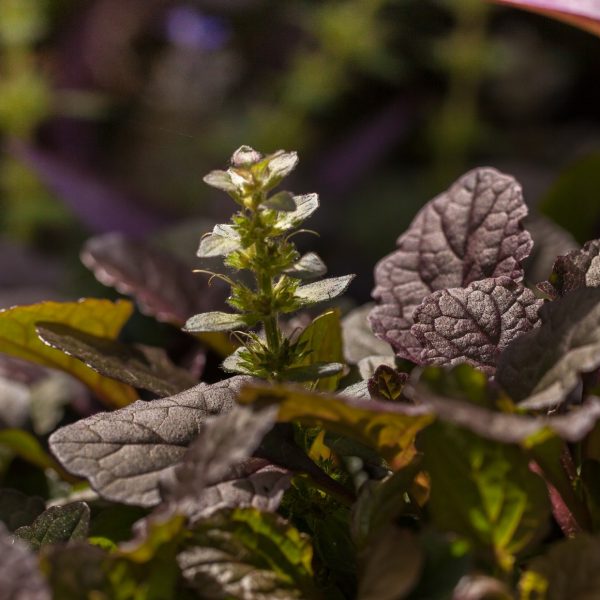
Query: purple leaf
[[162, 285], [544, 365], [125, 453], [577, 269], [582, 13], [470, 232], [20, 577], [222, 443], [99, 205], [474, 324]]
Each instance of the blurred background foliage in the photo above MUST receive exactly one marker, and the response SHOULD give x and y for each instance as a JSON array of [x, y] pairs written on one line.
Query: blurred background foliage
[[111, 111]]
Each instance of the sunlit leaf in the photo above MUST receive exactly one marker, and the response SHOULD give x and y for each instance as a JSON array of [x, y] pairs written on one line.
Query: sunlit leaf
[[125, 453], [215, 321], [323, 338], [97, 317], [470, 232], [389, 428], [325, 289], [473, 324]]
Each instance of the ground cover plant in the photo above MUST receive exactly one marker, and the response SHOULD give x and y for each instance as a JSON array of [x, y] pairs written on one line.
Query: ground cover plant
[[455, 455]]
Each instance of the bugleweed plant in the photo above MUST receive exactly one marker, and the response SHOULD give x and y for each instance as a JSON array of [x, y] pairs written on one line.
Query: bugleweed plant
[[453, 455]]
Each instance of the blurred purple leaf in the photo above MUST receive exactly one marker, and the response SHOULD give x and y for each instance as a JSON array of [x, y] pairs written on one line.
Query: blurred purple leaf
[[162, 285], [101, 206], [581, 13]]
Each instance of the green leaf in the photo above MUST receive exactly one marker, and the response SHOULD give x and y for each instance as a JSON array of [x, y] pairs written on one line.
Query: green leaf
[[57, 524], [248, 554], [18, 509], [97, 317], [310, 266], [388, 428], [222, 181], [323, 290], [484, 491], [323, 340], [579, 182], [215, 321], [279, 165], [115, 522], [235, 363], [305, 206], [570, 569], [142, 367], [282, 201], [223, 240]]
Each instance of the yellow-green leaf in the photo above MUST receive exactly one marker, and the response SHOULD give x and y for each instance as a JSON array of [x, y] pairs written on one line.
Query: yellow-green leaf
[[97, 317], [388, 428], [324, 337]]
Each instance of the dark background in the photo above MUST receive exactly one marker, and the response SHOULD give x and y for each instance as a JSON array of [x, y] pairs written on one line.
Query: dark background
[[111, 111]]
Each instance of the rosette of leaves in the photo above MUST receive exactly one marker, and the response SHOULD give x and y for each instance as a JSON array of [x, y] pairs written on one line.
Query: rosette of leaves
[[259, 239]]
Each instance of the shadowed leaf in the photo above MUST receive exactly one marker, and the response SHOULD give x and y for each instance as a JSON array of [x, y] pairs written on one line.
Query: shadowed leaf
[[484, 491], [17, 509], [389, 428], [142, 367], [387, 383], [248, 554], [323, 290], [97, 317], [543, 366], [163, 286], [470, 232], [20, 577], [570, 569], [577, 269], [58, 524], [391, 565]]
